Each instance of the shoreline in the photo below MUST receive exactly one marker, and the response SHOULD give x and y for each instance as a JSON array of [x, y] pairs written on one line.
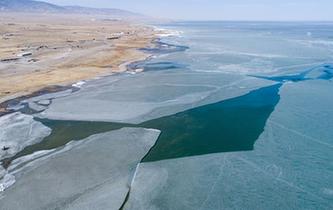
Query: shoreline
[[103, 55], [153, 46], [17, 98]]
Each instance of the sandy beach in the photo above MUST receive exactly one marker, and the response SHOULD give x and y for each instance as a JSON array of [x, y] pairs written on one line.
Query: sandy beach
[[38, 51]]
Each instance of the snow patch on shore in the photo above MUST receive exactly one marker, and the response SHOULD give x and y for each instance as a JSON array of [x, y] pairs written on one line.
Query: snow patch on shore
[[79, 84], [162, 32]]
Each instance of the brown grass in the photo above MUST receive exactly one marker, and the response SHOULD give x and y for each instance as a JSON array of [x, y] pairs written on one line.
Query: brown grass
[[65, 49]]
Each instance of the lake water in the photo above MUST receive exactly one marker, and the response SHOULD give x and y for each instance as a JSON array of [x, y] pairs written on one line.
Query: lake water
[[244, 110]]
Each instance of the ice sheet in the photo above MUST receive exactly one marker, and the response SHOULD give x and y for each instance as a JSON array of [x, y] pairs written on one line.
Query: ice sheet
[[290, 167], [141, 97], [94, 173], [212, 67], [40, 103], [19, 131]]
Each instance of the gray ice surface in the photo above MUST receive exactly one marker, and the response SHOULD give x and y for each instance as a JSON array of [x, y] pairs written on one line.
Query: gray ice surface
[[149, 95], [291, 166], [94, 173], [19, 131], [40, 103]]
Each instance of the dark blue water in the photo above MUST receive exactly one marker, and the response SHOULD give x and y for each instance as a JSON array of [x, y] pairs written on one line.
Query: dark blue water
[[157, 66], [326, 73], [226, 126], [164, 48]]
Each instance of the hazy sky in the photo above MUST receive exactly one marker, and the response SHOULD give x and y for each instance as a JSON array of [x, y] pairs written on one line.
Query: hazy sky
[[219, 9]]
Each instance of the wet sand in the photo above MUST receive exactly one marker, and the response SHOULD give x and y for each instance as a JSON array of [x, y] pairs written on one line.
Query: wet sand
[[38, 51]]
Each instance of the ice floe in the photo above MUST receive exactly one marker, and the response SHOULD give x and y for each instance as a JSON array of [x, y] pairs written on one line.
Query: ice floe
[[37, 103], [6, 181], [290, 167], [19, 131], [141, 97], [94, 173]]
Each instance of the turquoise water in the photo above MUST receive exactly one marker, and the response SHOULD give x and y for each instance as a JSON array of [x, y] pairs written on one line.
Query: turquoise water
[[226, 126], [325, 71], [158, 66], [217, 46], [270, 165]]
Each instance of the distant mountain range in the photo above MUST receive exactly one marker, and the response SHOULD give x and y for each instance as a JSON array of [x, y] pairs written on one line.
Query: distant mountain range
[[31, 6]]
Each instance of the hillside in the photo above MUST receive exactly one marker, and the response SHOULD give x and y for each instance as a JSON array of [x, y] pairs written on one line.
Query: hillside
[[31, 6]]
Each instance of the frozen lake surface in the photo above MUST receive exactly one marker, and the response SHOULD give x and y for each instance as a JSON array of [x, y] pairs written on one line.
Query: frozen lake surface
[[245, 115], [19, 131], [289, 168], [94, 173]]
